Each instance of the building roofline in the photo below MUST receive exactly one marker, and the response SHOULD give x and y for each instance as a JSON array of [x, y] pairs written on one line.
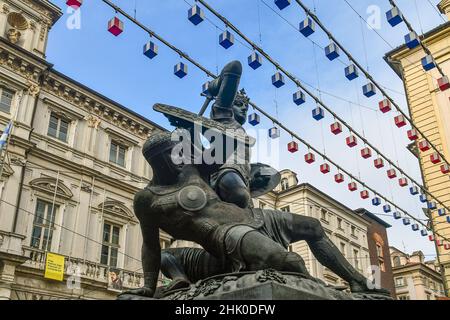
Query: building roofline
[[366, 213]]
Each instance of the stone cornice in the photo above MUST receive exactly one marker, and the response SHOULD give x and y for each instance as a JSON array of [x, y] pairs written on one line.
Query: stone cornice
[[41, 10]]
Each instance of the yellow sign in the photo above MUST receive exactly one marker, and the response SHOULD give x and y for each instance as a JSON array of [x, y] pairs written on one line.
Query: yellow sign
[[54, 267]]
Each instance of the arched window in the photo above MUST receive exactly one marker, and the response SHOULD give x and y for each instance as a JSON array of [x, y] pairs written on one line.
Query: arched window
[[397, 262], [284, 184]]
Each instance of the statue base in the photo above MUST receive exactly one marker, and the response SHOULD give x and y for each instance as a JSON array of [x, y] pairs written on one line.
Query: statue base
[[260, 285]]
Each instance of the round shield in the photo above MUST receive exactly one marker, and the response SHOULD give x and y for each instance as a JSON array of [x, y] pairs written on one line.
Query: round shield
[[192, 198], [263, 179]]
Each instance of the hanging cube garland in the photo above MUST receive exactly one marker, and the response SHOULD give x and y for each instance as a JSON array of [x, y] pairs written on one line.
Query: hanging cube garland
[[423, 198], [391, 173], [180, 70], [441, 212], [366, 153], [364, 194], [431, 237], [414, 190], [376, 201], [75, 4], [318, 113], [443, 83], [445, 168], [254, 60], [415, 227], [325, 168], [448, 219], [394, 16], [310, 157], [278, 80], [351, 141], [299, 97], [412, 40], [254, 119], [351, 72], [447, 246], [400, 121], [432, 205], [332, 51], [196, 15], [307, 27], [439, 243], [413, 134], [423, 232], [274, 133], [424, 145], [435, 158], [150, 50], [292, 147], [385, 105], [379, 163], [226, 39], [397, 215], [336, 128], [387, 208], [403, 182], [281, 4], [115, 26], [352, 186], [369, 90], [428, 63], [339, 177], [406, 221]]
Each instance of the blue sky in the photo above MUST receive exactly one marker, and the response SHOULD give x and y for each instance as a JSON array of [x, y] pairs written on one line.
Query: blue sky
[[116, 67]]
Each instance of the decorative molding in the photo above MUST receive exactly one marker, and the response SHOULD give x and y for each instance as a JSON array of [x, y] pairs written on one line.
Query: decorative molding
[[48, 185], [116, 208]]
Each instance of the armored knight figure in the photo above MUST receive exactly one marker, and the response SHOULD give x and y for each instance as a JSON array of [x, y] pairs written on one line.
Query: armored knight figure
[[179, 202]]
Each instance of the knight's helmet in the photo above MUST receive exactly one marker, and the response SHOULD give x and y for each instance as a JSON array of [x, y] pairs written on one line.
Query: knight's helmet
[[156, 146]]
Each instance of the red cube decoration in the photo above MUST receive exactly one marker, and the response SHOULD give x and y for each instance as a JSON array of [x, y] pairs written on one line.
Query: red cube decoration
[[366, 153], [413, 134], [424, 145], [339, 177], [403, 182], [351, 141], [352, 186], [336, 128], [445, 168], [364, 194], [115, 26], [431, 237], [400, 121], [443, 83], [447, 246], [75, 4], [435, 158], [293, 146], [391, 174], [439, 243], [385, 105], [379, 163], [325, 168], [309, 157]]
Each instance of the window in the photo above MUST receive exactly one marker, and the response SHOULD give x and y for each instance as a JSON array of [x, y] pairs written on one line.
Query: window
[[379, 251], [397, 262], [6, 100], [339, 224], [284, 184], [262, 205], [343, 248], [399, 282], [43, 225], [110, 247], [353, 230], [403, 297], [117, 154], [324, 214], [58, 127], [285, 209], [356, 258], [428, 297]]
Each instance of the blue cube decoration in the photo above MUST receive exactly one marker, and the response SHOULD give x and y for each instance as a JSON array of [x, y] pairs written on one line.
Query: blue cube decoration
[[448, 219], [376, 201], [394, 16], [369, 90], [281, 4], [318, 113], [205, 87], [254, 119], [274, 133], [423, 232], [412, 40], [299, 97], [351, 72], [387, 208], [196, 15], [307, 27], [397, 215], [255, 61], [226, 39], [180, 70], [428, 63], [441, 212], [332, 51], [415, 227], [406, 221], [278, 79], [423, 198], [150, 49], [432, 205], [414, 190]]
